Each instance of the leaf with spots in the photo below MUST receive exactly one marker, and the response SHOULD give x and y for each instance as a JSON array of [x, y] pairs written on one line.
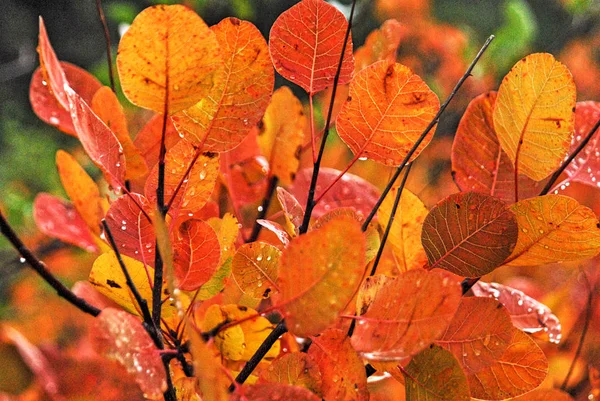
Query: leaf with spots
[[469, 234], [273, 391], [168, 59], [554, 228], [478, 334], [533, 114], [521, 368], [306, 44], [148, 139], [223, 118], [121, 336], [296, 369], [59, 219], [586, 166], [435, 375], [407, 315], [526, 313], [196, 254], [387, 110], [320, 272], [479, 163], [255, 268], [281, 135]]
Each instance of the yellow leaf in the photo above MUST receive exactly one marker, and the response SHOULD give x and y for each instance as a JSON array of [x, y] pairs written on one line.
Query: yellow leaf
[[255, 269]]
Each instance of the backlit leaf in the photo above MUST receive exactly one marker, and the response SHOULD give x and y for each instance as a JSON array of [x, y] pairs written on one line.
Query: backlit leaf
[[292, 210], [223, 118], [255, 268], [554, 228], [435, 375], [196, 254], [387, 110], [522, 367], [526, 313], [545, 395], [46, 106], [306, 44], [274, 391], [281, 135], [407, 314], [276, 229], [342, 371], [478, 334], [148, 139], [469, 234], [107, 107], [52, 73], [58, 219], [586, 166], [120, 336], [168, 45], [533, 115], [479, 163], [320, 271], [296, 369]]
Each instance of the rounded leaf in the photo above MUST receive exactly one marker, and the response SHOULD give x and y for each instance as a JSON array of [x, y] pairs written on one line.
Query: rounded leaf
[[255, 268]]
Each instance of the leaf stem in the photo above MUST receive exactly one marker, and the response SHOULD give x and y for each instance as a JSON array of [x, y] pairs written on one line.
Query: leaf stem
[[569, 159], [262, 213], [111, 73], [310, 204], [43, 271], [433, 122]]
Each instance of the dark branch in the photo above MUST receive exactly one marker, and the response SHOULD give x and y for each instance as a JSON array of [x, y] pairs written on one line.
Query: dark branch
[[262, 213], [111, 73]]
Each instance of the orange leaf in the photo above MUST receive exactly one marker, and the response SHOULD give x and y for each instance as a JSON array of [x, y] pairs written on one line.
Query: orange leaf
[[107, 107], [196, 254], [381, 44], [168, 45], [478, 334], [435, 375], [479, 163], [469, 234], [407, 314], [320, 272], [387, 110], [342, 371], [255, 267], [274, 391], [522, 367], [585, 167], [533, 115], [148, 139], [223, 118], [544, 395], [306, 44], [296, 369]]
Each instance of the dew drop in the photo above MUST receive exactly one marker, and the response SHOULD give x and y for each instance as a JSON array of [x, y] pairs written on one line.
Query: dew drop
[[363, 158], [525, 230], [203, 174], [260, 208], [54, 120], [22, 259], [123, 228]]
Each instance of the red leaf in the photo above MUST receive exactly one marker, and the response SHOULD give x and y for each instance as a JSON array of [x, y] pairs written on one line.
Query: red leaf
[[306, 43], [273, 391], [148, 139], [58, 219], [585, 167], [52, 72]]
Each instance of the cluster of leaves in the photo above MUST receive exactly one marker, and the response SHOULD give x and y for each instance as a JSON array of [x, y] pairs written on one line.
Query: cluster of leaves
[[188, 294]]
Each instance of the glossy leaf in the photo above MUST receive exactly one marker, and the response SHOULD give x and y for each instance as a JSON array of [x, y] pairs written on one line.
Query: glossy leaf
[[554, 228], [435, 375], [479, 163], [407, 314], [331, 351], [107, 107], [58, 219], [120, 336], [255, 268], [168, 45], [585, 167], [320, 271], [292, 210], [387, 110], [521, 368], [526, 313], [478, 334], [46, 106], [469, 234], [281, 135], [274, 391], [306, 43], [52, 72], [276, 229], [223, 118], [296, 369], [533, 115], [148, 139]]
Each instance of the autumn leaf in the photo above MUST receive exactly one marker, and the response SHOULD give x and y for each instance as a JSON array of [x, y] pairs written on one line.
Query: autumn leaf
[[554, 228], [224, 116], [544, 395], [478, 334], [306, 43], [585, 167], [255, 268], [149, 137], [270, 391], [281, 135], [320, 271], [381, 44], [276, 229], [296, 369], [435, 375], [58, 219], [387, 110], [292, 210], [469, 234], [52, 72], [342, 371], [407, 314], [368, 291], [533, 114], [168, 51]]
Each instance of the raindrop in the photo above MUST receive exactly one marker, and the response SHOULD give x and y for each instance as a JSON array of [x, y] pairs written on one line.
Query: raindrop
[[363, 158], [203, 174], [123, 228], [54, 120], [260, 208], [22, 259]]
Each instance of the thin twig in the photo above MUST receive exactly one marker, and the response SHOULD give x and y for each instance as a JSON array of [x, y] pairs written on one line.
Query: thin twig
[[43, 271], [111, 74], [432, 124], [262, 212]]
